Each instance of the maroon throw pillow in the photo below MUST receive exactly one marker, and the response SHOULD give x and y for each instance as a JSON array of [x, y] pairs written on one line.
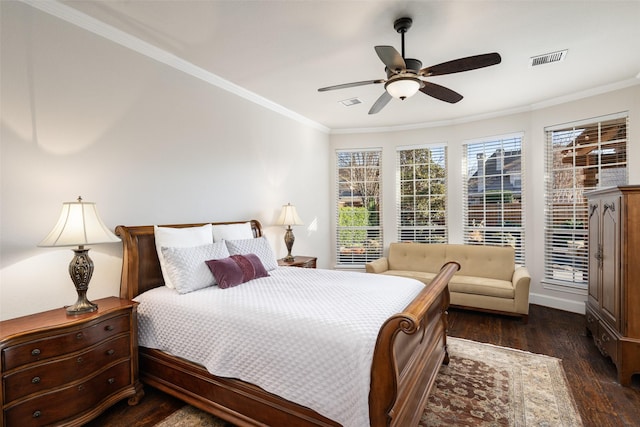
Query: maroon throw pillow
[[236, 269]]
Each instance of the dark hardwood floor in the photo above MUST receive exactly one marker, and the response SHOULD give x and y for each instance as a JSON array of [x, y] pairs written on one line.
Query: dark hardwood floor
[[601, 400]]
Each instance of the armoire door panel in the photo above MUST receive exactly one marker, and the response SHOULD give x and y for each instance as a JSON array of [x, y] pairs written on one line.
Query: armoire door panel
[[595, 253], [610, 238]]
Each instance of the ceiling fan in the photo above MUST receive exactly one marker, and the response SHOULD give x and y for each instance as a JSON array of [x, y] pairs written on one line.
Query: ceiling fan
[[405, 77]]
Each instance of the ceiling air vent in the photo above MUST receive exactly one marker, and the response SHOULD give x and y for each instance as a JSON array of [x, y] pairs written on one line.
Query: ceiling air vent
[[548, 58], [350, 102]]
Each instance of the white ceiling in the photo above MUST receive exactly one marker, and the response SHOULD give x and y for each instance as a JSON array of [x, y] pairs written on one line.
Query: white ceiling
[[285, 50]]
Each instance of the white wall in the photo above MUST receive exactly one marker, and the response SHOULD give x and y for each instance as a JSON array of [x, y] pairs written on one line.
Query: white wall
[[149, 144], [532, 123]]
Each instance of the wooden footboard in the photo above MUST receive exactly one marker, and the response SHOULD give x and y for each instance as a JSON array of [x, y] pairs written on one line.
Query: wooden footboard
[[236, 401], [410, 348]]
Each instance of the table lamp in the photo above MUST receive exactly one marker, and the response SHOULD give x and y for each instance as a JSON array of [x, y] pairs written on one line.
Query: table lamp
[[79, 225], [289, 217]]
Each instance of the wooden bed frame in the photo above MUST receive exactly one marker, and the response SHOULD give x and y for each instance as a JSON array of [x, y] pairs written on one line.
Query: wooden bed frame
[[410, 348]]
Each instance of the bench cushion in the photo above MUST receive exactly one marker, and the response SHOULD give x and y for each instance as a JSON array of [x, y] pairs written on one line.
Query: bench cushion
[[481, 286], [464, 284]]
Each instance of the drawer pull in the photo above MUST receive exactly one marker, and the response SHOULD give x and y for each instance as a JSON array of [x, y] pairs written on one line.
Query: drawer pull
[[36, 414], [80, 360], [80, 388], [79, 336], [111, 380], [35, 352], [110, 352], [35, 380], [108, 328]]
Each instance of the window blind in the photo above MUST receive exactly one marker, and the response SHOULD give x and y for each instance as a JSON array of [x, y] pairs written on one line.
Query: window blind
[[579, 157], [492, 190]]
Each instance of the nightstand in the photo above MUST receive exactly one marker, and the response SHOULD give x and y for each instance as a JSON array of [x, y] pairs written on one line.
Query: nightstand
[[299, 261], [65, 370]]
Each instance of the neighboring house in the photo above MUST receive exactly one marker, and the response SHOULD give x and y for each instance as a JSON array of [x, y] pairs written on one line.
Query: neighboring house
[[494, 173], [494, 183]]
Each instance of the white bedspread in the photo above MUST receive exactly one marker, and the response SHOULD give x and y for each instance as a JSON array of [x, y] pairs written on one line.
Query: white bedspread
[[306, 335]]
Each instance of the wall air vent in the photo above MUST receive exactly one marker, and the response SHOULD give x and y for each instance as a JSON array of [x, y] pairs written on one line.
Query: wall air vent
[[351, 101], [548, 58]]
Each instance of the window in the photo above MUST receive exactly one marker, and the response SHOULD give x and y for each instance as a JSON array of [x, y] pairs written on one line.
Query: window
[[493, 199], [359, 231], [580, 156], [422, 192]]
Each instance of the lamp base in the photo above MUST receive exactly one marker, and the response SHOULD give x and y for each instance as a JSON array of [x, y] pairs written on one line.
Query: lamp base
[[83, 305], [81, 270], [289, 238]]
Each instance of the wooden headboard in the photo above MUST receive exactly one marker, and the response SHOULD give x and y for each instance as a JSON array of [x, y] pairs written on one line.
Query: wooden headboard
[[140, 264]]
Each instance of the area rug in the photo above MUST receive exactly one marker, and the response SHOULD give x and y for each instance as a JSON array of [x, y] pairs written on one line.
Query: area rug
[[486, 385], [483, 386]]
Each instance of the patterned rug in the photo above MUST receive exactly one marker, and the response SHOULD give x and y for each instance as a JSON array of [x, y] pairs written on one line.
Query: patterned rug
[[483, 386]]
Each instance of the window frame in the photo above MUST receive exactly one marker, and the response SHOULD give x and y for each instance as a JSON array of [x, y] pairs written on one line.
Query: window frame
[[356, 244], [566, 268]]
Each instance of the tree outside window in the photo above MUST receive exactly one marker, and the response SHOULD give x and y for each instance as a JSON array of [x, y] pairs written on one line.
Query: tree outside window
[[359, 231], [422, 194]]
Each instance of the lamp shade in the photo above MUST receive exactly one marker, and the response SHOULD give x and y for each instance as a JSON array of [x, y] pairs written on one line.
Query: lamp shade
[[79, 224], [289, 216], [403, 87]]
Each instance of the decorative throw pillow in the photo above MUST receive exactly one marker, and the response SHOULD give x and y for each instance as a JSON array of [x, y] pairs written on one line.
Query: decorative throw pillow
[[259, 246], [232, 232], [170, 237], [187, 267], [236, 269]]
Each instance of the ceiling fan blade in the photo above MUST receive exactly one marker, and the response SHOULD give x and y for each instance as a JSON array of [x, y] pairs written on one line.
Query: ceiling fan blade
[[354, 84], [391, 58], [462, 64], [380, 103], [440, 92]]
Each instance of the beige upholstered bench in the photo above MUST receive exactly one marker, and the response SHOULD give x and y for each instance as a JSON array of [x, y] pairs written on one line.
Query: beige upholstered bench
[[488, 280]]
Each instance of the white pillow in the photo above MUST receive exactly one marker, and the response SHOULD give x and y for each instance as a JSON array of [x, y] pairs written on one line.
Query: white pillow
[[187, 268], [170, 237], [232, 232], [259, 246]]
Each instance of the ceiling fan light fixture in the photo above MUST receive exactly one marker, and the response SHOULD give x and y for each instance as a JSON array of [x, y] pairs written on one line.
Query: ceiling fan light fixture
[[403, 87]]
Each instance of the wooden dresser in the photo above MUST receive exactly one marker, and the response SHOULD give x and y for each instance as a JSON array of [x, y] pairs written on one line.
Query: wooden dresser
[[65, 370], [613, 305]]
